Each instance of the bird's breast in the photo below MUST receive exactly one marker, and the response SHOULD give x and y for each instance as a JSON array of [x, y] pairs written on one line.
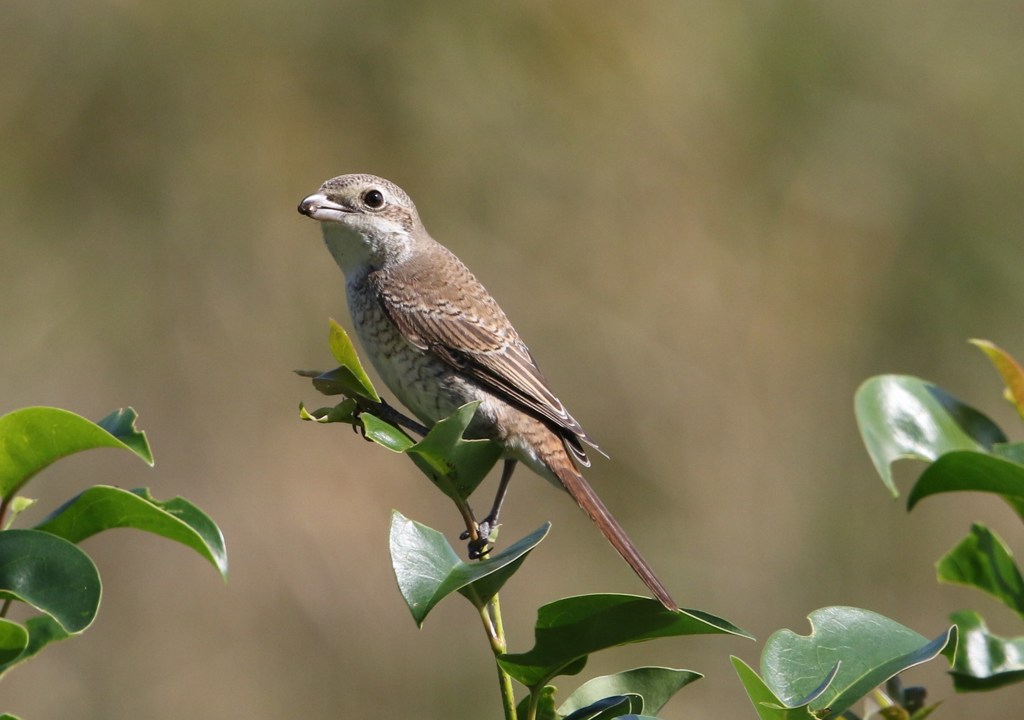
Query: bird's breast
[[427, 386]]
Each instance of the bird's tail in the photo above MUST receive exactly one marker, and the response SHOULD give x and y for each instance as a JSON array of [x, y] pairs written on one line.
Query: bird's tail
[[577, 486]]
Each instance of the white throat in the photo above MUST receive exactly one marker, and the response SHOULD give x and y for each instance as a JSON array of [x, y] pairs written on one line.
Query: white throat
[[358, 248]]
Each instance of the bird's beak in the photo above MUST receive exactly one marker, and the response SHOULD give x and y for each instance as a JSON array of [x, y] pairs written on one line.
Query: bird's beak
[[319, 207]]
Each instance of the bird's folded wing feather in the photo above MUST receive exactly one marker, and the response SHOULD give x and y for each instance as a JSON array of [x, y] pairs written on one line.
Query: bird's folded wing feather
[[462, 325]]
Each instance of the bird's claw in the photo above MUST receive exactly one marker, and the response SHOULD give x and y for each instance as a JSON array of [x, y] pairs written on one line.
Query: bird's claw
[[479, 548], [482, 546]]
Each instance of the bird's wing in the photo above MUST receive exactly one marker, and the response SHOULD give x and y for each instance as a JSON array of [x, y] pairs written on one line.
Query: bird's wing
[[461, 324]]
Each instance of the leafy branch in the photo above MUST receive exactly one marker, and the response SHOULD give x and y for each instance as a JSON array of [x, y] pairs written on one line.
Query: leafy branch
[[43, 567], [903, 417], [428, 569]]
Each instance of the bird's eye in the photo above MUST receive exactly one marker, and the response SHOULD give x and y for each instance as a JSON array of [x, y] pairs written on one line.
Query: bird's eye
[[373, 199]]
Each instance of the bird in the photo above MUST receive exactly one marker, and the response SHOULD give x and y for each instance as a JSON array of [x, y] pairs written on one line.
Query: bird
[[439, 340]]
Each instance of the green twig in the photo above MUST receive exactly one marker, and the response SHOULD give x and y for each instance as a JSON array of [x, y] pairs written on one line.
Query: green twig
[[491, 616]]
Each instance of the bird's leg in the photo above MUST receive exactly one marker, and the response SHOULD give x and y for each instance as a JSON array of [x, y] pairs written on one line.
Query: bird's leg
[[481, 546], [472, 531], [491, 521]]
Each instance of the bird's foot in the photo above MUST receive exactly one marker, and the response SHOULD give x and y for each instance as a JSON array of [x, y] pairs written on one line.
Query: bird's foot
[[482, 545]]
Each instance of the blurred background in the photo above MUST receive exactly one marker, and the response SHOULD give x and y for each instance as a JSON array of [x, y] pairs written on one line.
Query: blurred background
[[711, 222]]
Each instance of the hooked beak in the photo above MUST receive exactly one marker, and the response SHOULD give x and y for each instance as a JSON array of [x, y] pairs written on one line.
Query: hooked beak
[[319, 207]]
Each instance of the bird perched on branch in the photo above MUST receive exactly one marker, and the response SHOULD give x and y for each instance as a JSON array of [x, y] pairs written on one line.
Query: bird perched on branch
[[439, 340]]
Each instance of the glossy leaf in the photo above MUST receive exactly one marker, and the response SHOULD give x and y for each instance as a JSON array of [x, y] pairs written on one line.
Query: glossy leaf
[[42, 630], [767, 705], [568, 630], [1009, 369], [457, 466], [52, 575], [656, 685], [339, 381], [372, 427], [386, 434], [32, 438], [19, 504], [867, 648], [982, 560], [13, 641], [608, 708], [345, 412], [903, 417], [103, 507], [983, 660], [345, 353], [428, 569], [972, 471]]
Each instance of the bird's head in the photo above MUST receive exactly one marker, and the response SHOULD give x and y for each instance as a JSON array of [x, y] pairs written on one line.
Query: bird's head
[[366, 220]]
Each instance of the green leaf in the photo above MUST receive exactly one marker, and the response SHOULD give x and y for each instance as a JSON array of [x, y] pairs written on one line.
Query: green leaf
[[925, 712], [19, 504], [42, 630], [121, 425], [351, 373], [457, 466], [867, 647], [34, 437], [1009, 369], [982, 560], [972, 471], [984, 661], [345, 412], [903, 417], [568, 630], [52, 575], [656, 685], [1014, 452], [428, 569], [13, 640], [386, 434], [766, 703], [339, 381], [103, 507], [615, 706]]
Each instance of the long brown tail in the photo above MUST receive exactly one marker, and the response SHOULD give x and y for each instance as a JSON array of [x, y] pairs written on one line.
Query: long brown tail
[[584, 495]]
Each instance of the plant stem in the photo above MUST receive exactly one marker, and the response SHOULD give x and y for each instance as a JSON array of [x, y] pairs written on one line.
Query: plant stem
[[531, 713], [4, 504], [390, 415], [490, 614]]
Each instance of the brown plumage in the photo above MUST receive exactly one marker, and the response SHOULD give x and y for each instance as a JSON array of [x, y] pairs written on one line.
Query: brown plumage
[[439, 340]]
